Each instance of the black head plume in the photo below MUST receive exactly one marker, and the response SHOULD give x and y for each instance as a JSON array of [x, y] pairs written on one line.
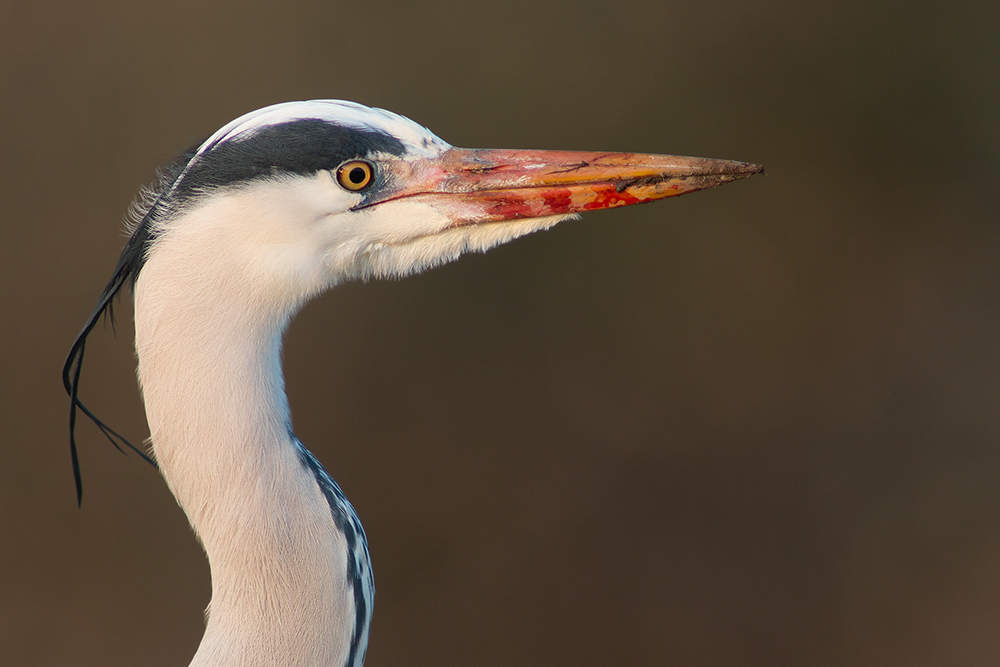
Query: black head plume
[[126, 271]]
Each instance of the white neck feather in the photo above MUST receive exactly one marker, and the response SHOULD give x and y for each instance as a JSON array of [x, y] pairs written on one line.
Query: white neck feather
[[208, 337]]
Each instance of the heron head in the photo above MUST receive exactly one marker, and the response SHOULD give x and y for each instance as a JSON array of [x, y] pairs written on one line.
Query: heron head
[[304, 195]]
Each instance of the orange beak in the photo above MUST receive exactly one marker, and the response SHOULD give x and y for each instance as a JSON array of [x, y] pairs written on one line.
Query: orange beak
[[472, 186]]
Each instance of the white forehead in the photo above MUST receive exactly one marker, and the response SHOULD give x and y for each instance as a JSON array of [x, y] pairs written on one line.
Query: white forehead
[[349, 114]]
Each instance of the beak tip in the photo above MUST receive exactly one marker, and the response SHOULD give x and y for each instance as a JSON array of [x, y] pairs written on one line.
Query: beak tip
[[744, 169], [719, 172]]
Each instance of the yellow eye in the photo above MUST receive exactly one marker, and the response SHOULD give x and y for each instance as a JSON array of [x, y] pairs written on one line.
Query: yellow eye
[[355, 175]]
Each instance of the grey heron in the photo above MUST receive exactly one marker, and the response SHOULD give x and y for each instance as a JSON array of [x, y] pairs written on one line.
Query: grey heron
[[276, 207]]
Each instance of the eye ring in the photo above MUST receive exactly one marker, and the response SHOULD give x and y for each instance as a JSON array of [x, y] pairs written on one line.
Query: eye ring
[[355, 175]]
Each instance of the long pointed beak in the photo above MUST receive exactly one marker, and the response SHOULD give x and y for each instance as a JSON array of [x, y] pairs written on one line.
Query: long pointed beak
[[486, 185]]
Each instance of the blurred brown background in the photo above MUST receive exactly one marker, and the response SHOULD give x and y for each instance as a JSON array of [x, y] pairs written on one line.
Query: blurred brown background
[[754, 426]]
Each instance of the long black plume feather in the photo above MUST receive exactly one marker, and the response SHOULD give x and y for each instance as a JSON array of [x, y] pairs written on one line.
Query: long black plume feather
[[126, 271], [127, 263]]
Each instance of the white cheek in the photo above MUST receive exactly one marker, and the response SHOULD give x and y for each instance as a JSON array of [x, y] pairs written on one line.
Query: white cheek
[[269, 237], [365, 243]]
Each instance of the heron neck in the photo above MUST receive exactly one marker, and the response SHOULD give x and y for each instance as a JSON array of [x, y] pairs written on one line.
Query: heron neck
[[210, 370]]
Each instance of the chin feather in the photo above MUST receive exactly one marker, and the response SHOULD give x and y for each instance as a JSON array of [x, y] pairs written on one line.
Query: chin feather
[[403, 257]]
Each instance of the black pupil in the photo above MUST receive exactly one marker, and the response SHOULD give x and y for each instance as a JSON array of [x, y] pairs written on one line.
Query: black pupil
[[357, 175]]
